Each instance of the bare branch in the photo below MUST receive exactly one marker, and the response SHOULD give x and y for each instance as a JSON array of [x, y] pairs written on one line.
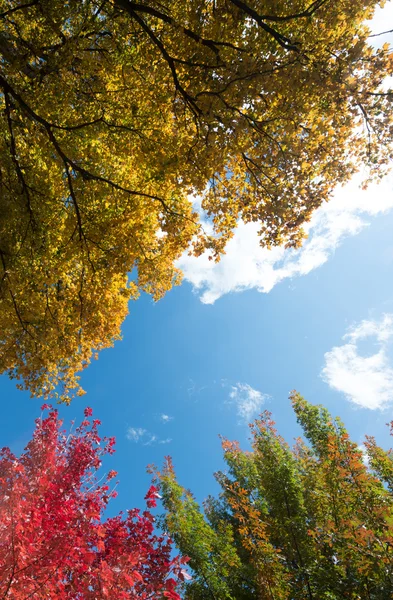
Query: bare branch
[[382, 33]]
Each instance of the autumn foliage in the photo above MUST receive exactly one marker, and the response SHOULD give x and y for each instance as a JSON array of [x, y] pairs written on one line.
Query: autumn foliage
[[54, 542], [114, 113], [308, 522]]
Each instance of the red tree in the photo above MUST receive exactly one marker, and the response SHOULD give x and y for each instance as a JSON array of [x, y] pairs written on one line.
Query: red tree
[[53, 541]]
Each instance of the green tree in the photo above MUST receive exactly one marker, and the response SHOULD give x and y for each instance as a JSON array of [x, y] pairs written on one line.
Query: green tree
[[113, 112], [305, 522]]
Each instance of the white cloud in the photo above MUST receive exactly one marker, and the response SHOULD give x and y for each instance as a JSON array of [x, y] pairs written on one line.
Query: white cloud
[[247, 400], [145, 437], [134, 434], [365, 457], [365, 380], [246, 265], [383, 331], [381, 22], [165, 418]]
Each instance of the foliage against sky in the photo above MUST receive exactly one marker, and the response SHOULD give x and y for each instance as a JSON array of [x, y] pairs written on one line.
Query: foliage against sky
[[311, 521], [54, 541], [114, 112], [51, 292]]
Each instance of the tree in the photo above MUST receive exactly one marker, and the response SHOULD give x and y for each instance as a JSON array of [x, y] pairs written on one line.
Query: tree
[[308, 522], [54, 542], [113, 112]]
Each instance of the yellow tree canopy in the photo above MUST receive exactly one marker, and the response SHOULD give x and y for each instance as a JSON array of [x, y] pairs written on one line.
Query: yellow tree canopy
[[113, 113]]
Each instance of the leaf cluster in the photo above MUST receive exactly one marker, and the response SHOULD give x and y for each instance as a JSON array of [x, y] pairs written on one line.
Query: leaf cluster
[[54, 541], [311, 521], [113, 112]]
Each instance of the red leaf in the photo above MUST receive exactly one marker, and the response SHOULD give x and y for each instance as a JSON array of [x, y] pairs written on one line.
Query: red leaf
[[57, 516]]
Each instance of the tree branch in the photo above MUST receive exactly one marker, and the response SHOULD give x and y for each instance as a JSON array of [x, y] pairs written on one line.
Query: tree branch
[[282, 40], [86, 175], [16, 8]]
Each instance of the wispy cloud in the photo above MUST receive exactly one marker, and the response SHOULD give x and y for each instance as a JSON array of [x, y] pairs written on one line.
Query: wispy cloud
[[145, 437], [134, 434], [166, 441], [382, 330], [247, 400], [246, 265], [194, 389], [165, 418], [365, 380]]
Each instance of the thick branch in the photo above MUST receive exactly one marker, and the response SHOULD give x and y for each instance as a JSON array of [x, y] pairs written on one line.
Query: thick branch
[[135, 7], [282, 40]]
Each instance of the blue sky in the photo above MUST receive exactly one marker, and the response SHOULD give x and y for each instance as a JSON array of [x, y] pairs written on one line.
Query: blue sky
[[209, 366], [235, 339]]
